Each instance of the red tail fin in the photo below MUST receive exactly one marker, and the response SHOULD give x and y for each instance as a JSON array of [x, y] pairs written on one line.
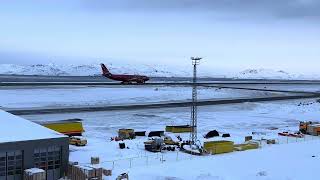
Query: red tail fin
[[105, 70]]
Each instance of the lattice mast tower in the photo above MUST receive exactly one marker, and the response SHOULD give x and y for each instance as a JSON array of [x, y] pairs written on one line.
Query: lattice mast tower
[[194, 108]]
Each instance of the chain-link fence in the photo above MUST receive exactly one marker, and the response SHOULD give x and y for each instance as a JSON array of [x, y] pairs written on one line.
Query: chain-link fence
[[288, 140], [146, 159]]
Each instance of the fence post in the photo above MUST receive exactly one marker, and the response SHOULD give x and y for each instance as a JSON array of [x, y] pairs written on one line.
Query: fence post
[[130, 162], [147, 160], [161, 158], [177, 158]]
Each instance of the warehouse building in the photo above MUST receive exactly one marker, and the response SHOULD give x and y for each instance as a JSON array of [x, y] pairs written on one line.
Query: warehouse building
[[24, 145]]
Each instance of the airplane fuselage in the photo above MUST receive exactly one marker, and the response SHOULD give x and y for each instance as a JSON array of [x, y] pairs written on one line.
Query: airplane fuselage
[[128, 78]]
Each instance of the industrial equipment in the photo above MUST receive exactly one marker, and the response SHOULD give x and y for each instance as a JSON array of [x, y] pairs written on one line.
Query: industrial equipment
[[154, 145], [156, 134], [123, 176], [170, 139], [313, 129], [304, 127], [126, 134], [248, 138]]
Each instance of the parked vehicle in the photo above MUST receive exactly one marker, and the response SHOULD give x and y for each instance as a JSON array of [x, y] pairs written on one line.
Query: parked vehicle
[[77, 141], [296, 135]]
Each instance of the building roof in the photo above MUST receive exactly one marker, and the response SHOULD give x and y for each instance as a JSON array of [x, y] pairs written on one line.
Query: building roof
[[14, 128]]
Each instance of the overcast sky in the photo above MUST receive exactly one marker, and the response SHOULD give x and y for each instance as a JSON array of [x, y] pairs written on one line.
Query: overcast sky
[[229, 34]]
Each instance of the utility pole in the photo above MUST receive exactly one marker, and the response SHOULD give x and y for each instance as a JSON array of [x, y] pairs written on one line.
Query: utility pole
[[194, 108]]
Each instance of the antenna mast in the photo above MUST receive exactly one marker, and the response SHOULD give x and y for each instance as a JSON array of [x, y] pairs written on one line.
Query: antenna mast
[[194, 108]]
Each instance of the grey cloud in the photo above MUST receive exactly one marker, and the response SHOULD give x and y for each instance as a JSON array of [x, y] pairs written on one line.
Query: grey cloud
[[277, 8]]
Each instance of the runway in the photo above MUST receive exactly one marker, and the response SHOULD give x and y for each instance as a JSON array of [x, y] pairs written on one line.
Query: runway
[[60, 110], [19, 80], [73, 81]]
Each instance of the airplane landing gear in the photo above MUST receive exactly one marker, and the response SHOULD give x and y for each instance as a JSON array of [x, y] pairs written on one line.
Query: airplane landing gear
[[126, 83], [140, 82]]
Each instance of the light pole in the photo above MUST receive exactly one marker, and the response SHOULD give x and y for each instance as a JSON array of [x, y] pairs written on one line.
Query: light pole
[[194, 109]]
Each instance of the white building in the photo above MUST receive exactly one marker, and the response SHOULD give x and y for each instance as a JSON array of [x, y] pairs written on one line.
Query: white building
[[24, 145]]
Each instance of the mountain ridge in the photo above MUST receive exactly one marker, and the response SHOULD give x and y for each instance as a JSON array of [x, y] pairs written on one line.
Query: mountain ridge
[[149, 70]]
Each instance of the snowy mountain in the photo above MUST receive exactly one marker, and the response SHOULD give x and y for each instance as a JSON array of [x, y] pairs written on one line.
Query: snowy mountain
[[150, 70], [264, 74], [274, 74], [89, 70]]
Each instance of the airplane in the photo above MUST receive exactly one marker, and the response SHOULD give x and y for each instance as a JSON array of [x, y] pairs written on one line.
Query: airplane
[[126, 79]]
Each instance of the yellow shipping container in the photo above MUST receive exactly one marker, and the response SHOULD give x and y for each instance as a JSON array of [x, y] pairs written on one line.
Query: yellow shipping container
[[246, 146], [72, 127], [218, 147], [179, 129]]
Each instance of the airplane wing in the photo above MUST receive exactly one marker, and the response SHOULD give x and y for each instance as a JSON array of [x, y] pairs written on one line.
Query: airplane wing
[[133, 79], [136, 79]]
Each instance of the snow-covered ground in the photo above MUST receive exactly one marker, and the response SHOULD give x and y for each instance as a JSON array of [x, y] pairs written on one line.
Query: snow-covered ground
[[56, 97], [278, 162], [264, 120], [154, 70]]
